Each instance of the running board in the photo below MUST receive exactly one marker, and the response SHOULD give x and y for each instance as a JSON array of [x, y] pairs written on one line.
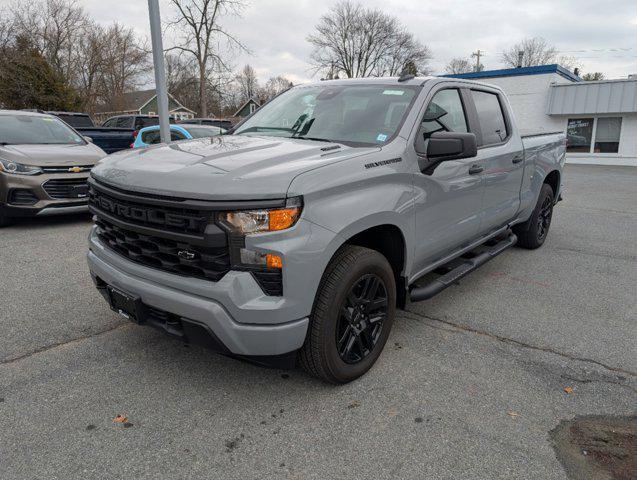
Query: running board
[[436, 286]]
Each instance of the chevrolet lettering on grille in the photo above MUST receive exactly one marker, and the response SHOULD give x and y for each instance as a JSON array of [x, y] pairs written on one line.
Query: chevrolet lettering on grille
[[150, 215]]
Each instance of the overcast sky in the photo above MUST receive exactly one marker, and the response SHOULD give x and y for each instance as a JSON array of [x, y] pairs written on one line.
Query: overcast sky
[[602, 34]]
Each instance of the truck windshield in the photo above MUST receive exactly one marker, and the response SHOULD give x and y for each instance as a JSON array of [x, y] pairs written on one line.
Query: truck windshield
[[36, 130], [356, 115]]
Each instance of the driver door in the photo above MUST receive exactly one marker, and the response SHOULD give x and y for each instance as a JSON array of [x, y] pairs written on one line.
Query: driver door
[[448, 197]]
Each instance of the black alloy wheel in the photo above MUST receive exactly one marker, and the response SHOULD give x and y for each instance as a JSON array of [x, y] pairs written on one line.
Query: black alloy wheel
[[544, 218], [361, 319], [352, 316]]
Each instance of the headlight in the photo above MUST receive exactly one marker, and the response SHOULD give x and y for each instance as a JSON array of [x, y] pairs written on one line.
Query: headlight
[[271, 220], [18, 169]]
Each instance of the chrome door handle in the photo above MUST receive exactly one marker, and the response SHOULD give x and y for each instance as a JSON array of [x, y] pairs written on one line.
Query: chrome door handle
[[475, 169]]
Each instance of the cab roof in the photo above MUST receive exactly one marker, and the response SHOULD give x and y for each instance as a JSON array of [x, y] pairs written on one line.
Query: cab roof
[[389, 81]]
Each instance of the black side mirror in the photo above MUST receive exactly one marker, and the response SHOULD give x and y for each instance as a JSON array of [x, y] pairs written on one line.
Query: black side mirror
[[451, 146]]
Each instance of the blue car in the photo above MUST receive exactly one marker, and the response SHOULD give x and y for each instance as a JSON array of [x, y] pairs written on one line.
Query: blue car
[[150, 135]]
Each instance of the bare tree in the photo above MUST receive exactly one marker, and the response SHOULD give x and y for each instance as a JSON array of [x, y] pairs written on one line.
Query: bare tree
[[55, 28], [274, 86], [405, 53], [459, 65], [359, 42], [200, 34], [248, 83], [124, 66], [535, 51], [90, 68], [568, 62]]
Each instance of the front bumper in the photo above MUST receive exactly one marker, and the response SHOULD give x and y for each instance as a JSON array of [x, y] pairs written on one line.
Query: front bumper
[[242, 334], [43, 204]]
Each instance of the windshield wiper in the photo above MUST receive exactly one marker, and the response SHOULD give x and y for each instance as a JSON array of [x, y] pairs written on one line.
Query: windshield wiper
[[315, 139], [266, 129]]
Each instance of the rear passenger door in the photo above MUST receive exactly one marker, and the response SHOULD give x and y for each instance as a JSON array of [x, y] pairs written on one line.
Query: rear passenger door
[[501, 156]]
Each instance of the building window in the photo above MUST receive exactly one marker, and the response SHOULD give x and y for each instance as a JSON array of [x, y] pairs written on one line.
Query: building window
[[579, 134], [605, 130], [607, 134]]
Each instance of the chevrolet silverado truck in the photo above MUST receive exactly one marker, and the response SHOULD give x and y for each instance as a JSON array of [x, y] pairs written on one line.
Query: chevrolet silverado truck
[[296, 237]]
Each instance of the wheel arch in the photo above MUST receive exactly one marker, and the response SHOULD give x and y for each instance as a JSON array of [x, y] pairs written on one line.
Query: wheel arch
[[389, 240], [553, 179]]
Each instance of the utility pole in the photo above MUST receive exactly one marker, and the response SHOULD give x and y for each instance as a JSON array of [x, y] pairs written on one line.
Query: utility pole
[[478, 54], [160, 71]]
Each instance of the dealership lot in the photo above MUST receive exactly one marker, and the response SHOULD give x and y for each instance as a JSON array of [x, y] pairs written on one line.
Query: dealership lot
[[469, 385]]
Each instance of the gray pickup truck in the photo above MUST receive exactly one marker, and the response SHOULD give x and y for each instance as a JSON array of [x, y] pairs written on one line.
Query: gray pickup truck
[[296, 237]]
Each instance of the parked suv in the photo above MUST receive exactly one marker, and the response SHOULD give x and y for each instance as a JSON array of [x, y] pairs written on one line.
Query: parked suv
[[296, 237], [44, 166]]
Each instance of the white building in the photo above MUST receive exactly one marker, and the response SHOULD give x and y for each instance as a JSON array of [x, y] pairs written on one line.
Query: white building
[[600, 118]]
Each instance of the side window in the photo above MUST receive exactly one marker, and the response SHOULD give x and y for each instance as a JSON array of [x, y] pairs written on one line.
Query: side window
[[109, 123], [174, 135], [444, 114], [490, 116], [150, 137], [123, 122]]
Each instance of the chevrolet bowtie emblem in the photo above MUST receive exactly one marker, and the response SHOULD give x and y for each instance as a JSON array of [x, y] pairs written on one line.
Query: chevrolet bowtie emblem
[[75, 169], [186, 255]]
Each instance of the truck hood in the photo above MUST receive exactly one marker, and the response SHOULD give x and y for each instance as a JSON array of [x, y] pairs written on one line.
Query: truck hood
[[52, 155], [230, 167]]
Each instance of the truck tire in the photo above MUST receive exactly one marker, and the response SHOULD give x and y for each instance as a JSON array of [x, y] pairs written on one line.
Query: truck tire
[[532, 233], [352, 315]]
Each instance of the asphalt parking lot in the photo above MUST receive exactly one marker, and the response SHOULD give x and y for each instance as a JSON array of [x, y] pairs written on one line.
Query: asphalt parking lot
[[469, 385]]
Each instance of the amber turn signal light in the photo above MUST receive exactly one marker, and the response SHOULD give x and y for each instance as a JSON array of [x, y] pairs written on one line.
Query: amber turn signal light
[[273, 261], [283, 219]]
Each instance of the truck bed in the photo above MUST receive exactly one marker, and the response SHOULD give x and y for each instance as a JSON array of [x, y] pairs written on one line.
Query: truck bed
[[109, 139]]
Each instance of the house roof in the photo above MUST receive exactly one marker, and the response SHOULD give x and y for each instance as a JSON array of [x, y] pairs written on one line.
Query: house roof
[[136, 100], [133, 101], [247, 102], [514, 72]]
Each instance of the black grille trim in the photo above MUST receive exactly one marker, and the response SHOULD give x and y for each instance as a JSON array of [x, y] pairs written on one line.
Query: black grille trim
[[59, 188], [187, 224], [270, 281], [209, 263]]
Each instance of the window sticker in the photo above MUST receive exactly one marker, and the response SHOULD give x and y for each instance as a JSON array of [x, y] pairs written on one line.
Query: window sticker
[[393, 92], [381, 137]]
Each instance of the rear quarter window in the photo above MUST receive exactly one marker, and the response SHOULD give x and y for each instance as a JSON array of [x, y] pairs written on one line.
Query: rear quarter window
[[491, 117]]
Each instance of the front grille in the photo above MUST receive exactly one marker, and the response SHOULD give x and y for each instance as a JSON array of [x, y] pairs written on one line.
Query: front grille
[[22, 196], [176, 219], [209, 263], [66, 188], [178, 236]]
